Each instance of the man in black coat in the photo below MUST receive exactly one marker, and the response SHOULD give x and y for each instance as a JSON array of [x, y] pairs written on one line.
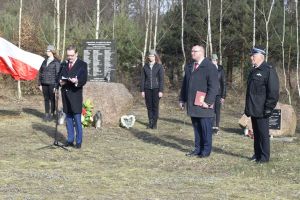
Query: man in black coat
[[261, 98], [72, 79], [220, 98], [201, 76]]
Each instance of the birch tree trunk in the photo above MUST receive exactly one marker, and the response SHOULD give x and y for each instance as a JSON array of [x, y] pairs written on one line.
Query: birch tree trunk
[[182, 37], [297, 31], [209, 27], [58, 25], [65, 27], [150, 27], [147, 19], [114, 16], [254, 22], [54, 23], [97, 20], [20, 31], [283, 54], [220, 36], [155, 25], [267, 20]]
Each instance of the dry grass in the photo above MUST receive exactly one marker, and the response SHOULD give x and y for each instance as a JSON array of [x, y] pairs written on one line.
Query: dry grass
[[138, 163]]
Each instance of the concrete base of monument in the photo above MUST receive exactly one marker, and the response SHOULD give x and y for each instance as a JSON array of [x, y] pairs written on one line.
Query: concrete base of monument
[[286, 120], [112, 99]]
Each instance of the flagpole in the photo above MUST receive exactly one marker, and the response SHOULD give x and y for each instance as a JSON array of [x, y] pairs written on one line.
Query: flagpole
[[20, 28]]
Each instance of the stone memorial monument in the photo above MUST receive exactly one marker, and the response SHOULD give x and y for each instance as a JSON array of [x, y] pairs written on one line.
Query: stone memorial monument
[[282, 122], [112, 99]]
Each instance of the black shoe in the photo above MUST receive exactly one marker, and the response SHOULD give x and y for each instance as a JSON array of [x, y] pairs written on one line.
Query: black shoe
[[46, 117], [253, 158], [69, 144], [203, 155], [261, 161], [192, 153], [78, 146], [154, 126]]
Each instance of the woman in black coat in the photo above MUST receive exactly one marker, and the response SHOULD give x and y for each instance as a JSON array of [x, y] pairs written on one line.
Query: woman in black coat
[[48, 81], [152, 86]]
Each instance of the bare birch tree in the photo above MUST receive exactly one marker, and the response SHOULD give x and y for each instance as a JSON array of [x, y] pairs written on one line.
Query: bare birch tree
[[267, 20], [114, 17], [283, 53], [220, 34], [150, 26], [20, 30], [182, 36], [54, 23], [147, 21], [97, 20], [65, 27], [209, 28], [254, 22], [297, 32], [57, 25], [155, 24], [282, 41]]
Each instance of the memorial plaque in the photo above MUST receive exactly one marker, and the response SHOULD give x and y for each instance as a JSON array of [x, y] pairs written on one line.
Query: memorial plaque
[[100, 56], [275, 120]]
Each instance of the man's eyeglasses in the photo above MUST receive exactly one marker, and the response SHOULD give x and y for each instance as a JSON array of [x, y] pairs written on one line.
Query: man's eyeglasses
[[71, 55], [195, 50]]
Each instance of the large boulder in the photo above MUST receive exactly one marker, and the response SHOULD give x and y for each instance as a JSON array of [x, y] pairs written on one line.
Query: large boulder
[[288, 121], [112, 99]]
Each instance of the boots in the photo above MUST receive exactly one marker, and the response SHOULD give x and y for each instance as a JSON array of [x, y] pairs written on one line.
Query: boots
[[47, 117], [154, 124], [150, 125]]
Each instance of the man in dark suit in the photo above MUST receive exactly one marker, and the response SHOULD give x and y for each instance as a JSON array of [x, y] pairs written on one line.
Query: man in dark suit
[[72, 79], [261, 98], [200, 76], [220, 98]]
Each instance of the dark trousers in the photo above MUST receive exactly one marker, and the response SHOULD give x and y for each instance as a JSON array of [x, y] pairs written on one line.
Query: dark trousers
[[261, 138], [217, 108], [49, 98], [152, 103], [71, 119], [203, 135]]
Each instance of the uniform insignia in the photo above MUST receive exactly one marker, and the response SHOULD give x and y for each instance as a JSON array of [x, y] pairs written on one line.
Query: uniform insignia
[[259, 74]]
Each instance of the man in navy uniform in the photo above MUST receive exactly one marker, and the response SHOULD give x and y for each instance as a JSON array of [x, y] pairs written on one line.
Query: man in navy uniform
[[200, 76], [261, 98]]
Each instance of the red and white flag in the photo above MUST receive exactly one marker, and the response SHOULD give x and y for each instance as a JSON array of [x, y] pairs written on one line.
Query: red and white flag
[[20, 64]]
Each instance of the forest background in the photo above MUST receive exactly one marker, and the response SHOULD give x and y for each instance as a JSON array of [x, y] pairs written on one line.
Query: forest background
[[228, 28]]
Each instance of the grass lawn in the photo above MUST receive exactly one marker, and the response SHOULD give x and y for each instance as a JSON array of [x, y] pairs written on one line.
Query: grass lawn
[[138, 163]]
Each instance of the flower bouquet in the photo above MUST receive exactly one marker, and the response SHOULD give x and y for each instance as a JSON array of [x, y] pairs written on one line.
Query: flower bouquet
[[87, 113]]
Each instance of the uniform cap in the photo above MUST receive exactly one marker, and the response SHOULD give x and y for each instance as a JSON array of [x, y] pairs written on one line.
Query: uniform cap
[[256, 50]]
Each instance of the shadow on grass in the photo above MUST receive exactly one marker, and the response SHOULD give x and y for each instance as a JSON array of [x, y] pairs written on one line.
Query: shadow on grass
[[143, 123], [49, 130], [222, 151], [152, 139], [176, 121], [238, 131], [33, 112], [9, 113]]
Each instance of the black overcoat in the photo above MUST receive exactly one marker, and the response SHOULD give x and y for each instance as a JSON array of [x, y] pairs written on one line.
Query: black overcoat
[[204, 79], [262, 90], [72, 94]]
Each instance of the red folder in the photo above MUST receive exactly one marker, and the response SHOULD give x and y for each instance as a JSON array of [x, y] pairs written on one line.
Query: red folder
[[199, 99]]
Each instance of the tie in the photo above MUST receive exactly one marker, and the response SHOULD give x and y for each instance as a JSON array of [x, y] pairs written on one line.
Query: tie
[[195, 66], [70, 65]]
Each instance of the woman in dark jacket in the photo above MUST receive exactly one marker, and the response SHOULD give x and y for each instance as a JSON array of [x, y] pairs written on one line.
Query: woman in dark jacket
[[152, 85], [48, 81], [220, 98]]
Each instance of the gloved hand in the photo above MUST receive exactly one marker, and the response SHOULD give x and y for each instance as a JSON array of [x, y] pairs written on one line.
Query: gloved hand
[[267, 113]]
